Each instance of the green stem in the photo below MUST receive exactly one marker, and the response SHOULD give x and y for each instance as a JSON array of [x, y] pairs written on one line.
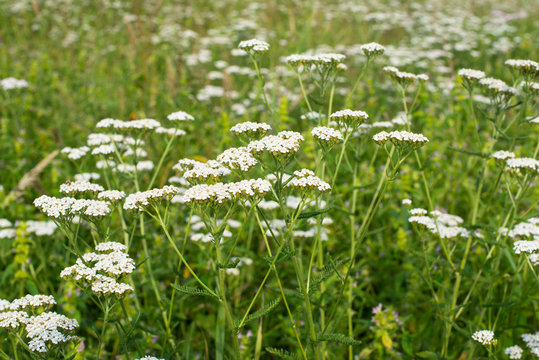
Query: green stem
[[378, 195], [161, 160], [303, 91], [283, 296], [105, 319], [169, 238], [224, 300], [262, 82]]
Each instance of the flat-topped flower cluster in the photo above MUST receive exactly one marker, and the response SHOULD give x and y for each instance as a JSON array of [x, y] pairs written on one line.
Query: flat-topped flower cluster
[[43, 328], [139, 201], [66, 208], [403, 78], [282, 145], [444, 225], [401, 138], [305, 179], [222, 192], [250, 128], [323, 59], [526, 236], [102, 269]]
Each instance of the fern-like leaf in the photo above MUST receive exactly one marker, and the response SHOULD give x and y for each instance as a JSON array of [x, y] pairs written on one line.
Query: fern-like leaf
[[338, 338], [282, 354], [266, 309], [191, 290], [325, 273]]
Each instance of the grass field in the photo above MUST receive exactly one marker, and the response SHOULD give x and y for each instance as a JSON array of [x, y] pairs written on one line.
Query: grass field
[[286, 179]]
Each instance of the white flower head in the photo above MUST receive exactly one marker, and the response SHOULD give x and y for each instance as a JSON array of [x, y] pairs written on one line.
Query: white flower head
[[237, 158], [254, 46], [111, 195], [526, 165], [513, 352], [372, 49], [142, 200], [180, 116], [525, 67], [471, 75], [503, 155], [282, 146], [250, 129], [496, 88], [484, 337], [327, 136], [323, 61], [12, 83], [352, 118], [305, 180], [80, 187], [29, 302], [75, 153]]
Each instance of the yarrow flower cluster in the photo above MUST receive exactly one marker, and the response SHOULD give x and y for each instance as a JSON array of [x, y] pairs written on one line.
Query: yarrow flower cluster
[[401, 138], [237, 158], [141, 200], [496, 88], [111, 195], [444, 225], [484, 337], [75, 153], [44, 330], [102, 269], [324, 60], [525, 165], [282, 145], [12, 319], [254, 46], [407, 203], [65, 208], [145, 165], [525, 67], [503, 155], [180, 116], [170, 132], [532, 342], [404, 78], [350, 118], [80, 186], [105, 149], [37, 228], [134, 125], [196, 171], [32, 302], [101, 139], [306, 180], [327, 136], [372, 49], [526, 235], [12, 83], [513, 352], [471, 75], [217, 194], [250, 129]]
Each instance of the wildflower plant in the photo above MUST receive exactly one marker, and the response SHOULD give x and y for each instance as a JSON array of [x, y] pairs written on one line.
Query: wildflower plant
[[208, 194]]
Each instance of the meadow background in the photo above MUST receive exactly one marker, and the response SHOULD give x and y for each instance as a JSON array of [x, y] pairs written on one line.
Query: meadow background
[[89, 60]]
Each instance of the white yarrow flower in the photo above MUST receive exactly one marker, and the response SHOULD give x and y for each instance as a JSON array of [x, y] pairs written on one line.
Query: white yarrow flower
[[254, 46], [514, 352], [180, 116], [484, 337]]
